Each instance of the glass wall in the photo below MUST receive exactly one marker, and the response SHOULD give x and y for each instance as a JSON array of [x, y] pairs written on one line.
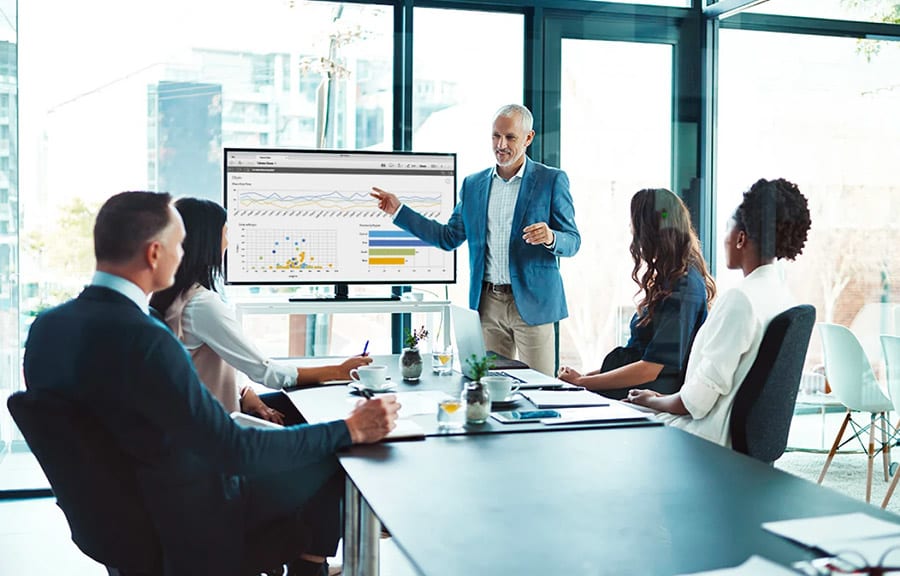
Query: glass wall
[[456, 92], [10, 355], [616, 138], [862, 10], [821, 112], [156, 116]]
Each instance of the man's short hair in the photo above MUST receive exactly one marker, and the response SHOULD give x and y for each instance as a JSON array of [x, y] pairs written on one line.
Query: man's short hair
[[127, 222], [522, 112]]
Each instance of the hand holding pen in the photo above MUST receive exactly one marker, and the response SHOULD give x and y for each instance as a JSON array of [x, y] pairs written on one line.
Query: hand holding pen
[[373, 418]]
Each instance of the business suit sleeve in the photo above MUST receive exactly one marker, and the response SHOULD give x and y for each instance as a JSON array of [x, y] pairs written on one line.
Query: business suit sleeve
[[562, 217], [170, 395], [447, 236]]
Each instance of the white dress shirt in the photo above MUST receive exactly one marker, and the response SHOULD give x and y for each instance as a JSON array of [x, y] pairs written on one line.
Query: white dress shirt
[[208, 320], [124, 287], [724, 350]]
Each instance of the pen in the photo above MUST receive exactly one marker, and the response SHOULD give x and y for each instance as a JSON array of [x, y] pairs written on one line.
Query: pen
[[365, 348], [366, 393]]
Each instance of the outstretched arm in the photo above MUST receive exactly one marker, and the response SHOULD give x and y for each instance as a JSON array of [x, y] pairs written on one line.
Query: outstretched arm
[[634, 374], [670, 403]]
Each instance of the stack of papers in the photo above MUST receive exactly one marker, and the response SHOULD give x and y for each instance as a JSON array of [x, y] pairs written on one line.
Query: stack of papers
[[564, 398], [614, 412]]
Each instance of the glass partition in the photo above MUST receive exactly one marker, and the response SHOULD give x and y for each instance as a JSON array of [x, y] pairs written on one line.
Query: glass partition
[[822, 113]]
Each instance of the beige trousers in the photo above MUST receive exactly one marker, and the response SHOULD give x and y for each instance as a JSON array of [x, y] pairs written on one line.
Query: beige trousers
[[506, 333]]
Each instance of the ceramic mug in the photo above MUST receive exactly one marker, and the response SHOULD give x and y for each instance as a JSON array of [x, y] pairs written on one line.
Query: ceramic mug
[[499, 387]]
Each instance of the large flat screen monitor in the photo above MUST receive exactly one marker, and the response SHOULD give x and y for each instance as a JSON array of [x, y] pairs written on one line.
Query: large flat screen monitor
[[306, 216]]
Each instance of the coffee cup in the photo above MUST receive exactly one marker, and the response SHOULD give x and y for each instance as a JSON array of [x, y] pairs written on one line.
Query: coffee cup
[[499, 387], [371, 376]]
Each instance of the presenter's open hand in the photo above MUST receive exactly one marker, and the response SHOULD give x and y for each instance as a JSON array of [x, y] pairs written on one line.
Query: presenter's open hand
[[568, 374], [387, 202], [538, 233], [371, 420], [641, 397], [350, 363]]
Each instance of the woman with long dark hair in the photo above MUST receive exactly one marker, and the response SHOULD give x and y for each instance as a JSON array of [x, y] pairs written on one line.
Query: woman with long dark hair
[[674, 289], [771, 223], [194, 310]]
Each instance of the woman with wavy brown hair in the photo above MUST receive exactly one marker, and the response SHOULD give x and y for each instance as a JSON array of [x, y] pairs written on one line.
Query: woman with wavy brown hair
[[674, 288]]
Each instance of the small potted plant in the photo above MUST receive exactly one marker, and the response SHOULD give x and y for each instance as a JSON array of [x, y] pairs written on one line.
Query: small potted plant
[[478, 399], [411, 358]]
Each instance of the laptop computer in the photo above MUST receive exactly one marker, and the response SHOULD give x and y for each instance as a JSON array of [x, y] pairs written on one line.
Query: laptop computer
[[470, 340]]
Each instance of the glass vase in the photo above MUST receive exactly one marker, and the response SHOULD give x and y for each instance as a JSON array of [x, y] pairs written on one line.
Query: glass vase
[[411, 364], [478, 403]]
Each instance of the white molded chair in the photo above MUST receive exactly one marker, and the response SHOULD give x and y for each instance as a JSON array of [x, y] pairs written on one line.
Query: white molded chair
[[853, 383], [890, 346]]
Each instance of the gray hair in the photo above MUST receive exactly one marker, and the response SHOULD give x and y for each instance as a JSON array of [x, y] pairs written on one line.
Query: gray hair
[[522, 112]]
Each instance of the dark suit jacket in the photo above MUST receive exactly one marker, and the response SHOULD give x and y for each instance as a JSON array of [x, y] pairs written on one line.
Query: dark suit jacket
[[102, 353], [534, 271]]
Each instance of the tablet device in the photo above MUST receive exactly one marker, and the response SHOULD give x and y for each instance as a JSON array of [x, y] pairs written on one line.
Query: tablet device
[[524, 416]]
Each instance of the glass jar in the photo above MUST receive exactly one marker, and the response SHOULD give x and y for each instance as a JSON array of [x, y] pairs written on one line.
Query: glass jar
[[478, 403], [411, 364]]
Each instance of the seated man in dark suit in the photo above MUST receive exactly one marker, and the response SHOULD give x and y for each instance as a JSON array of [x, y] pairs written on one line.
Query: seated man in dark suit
[[223, 499]]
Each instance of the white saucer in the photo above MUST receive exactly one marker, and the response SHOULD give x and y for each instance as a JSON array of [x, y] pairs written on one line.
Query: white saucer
[[505, 402], [387, 386]]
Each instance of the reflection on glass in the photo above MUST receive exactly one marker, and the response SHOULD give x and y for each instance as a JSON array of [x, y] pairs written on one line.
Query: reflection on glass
[[819, 112], [615, 140]]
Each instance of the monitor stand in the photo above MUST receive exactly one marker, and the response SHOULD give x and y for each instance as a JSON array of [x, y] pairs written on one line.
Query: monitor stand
[[341, 294]]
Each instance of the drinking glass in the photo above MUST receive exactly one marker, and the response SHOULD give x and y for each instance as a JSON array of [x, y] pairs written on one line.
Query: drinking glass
[[451, 414], [442, 360]]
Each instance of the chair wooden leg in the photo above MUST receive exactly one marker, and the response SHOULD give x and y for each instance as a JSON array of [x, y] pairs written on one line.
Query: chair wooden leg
[[834, 447], [871, 457], [890, 491], [885, 447]]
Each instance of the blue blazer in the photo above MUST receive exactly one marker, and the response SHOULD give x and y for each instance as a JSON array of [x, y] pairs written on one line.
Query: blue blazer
[[128, 371], [534, 270]]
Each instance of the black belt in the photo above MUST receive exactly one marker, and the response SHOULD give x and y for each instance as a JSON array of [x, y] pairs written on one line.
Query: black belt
[[498, 288]]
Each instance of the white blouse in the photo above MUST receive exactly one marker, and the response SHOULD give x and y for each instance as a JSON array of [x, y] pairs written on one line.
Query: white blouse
[[724, 350], [208, 320]]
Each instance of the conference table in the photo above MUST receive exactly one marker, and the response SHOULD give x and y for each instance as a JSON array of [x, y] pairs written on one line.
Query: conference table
[[648, 500]]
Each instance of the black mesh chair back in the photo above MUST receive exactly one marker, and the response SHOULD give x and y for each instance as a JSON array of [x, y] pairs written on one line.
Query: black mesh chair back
[[764, 404], [93, 483]]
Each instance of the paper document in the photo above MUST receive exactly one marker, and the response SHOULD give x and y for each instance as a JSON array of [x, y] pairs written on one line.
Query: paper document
[[405, 430], [614, 412], [564, 399], [422, 402], [876, 551], [832, 530], [248, 421], [754, 566]]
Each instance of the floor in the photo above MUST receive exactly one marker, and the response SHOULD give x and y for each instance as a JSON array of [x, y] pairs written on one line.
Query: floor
[[34, 537]]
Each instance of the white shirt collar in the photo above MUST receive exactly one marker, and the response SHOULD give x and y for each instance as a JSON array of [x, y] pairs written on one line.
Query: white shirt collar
[[519, 174], [124, 287]]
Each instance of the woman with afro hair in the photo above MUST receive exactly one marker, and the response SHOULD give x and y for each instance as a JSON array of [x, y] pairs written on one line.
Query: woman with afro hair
[[771, 223]]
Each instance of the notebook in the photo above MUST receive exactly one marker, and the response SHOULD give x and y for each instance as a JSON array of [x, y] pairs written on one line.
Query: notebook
[[470, 341]]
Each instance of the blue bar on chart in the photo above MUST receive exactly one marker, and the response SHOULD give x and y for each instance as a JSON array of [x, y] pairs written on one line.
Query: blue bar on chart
[[395, 238]]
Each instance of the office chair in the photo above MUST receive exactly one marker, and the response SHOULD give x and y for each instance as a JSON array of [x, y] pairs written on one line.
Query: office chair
[[764, 404], [92, 481], [852, 381]]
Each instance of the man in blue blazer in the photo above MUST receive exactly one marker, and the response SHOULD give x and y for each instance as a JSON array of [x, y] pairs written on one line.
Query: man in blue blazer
[[519, 219], [206, 482]]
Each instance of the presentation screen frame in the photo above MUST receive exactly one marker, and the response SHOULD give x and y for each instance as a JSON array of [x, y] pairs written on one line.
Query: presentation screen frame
[[305, 217]]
